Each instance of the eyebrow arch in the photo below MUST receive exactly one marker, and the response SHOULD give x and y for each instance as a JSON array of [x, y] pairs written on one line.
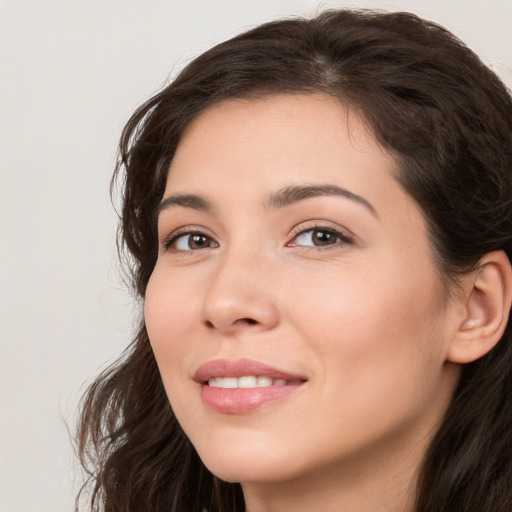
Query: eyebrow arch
[[284, 197], [296, 193], [186, 200]]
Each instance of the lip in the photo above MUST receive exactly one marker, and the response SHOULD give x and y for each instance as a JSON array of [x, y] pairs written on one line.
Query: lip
[[243, 400], [239, 368]]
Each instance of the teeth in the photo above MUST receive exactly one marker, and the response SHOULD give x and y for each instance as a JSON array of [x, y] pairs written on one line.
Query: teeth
[[247, 381], [228, 383], [264, 382]]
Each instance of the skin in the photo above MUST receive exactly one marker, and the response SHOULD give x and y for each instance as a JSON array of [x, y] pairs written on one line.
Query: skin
[[362, 317]]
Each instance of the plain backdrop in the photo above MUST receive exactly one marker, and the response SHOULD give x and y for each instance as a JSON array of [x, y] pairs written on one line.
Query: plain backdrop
[[71, 73]]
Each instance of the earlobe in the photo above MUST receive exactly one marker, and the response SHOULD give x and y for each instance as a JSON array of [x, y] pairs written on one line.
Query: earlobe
[[487, 309]]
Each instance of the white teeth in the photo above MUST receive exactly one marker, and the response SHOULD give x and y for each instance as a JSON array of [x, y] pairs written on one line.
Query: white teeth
[[247, 381], [228, 382], [264, 382]]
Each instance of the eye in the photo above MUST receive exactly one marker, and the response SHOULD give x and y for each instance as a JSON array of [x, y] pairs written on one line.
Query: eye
[[318, 237], [189, 241]]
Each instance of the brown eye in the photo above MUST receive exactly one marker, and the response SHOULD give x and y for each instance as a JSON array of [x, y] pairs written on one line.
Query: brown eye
[[319, 237], [324, 237], [190, 242], [198, 241]]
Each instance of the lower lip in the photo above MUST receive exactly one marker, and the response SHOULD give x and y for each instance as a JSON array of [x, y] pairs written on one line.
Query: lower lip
[[242, 400]]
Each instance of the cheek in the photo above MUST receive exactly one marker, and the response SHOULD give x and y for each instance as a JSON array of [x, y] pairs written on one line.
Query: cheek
[[379, 349], [168, 317], [373, 324]]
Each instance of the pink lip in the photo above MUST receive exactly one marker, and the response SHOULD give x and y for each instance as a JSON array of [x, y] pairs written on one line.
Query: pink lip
[[239, 368], [243, 400]]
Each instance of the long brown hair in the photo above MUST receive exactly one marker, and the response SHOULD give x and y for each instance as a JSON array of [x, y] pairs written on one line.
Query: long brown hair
[[447, 120]]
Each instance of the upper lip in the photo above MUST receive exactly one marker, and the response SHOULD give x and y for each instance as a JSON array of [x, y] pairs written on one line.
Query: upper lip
[[240, 368]]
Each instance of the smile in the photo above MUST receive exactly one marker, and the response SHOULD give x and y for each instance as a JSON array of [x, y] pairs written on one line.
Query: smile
[[243, 386], [247, 381]]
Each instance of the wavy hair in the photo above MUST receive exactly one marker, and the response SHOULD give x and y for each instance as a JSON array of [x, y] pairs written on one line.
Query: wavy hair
[[445, 118]]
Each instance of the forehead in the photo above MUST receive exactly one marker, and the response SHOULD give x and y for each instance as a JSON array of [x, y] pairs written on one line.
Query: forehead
[[276, 139]]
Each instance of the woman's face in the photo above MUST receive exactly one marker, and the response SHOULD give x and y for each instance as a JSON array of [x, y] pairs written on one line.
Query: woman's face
[[294, 311]]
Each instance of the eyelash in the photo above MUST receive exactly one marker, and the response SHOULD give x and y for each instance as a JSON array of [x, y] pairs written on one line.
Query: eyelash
[[344, 239], [173, 238]]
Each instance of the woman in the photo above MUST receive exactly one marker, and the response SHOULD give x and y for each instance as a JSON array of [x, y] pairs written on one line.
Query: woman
[[318, 216]]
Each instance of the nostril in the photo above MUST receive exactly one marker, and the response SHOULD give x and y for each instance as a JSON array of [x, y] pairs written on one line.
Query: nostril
[[240, 321]]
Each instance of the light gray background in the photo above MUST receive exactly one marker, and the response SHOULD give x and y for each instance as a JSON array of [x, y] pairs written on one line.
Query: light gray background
[[71, 73]]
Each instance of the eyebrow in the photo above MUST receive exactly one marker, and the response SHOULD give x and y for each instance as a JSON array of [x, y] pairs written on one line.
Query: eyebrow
[[295, 193], [187, 201], [280, 199]]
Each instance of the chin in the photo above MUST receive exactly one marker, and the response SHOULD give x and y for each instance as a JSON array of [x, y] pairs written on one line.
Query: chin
[[257, 465], [262, 473]]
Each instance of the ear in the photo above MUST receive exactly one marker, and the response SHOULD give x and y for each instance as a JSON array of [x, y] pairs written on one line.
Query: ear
[[488, 296]]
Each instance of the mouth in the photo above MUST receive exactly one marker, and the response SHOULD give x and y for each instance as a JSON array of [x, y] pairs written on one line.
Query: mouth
[[249, 381], [242, 386]]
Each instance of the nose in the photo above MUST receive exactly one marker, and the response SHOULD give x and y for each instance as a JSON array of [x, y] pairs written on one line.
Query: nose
[[240, 295]]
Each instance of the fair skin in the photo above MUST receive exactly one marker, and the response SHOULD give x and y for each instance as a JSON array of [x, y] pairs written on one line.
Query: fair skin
[[285, 240]]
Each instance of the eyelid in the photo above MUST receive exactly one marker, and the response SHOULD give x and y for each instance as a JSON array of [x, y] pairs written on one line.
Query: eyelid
[[346, 237], [167, 241], [344, 234]]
